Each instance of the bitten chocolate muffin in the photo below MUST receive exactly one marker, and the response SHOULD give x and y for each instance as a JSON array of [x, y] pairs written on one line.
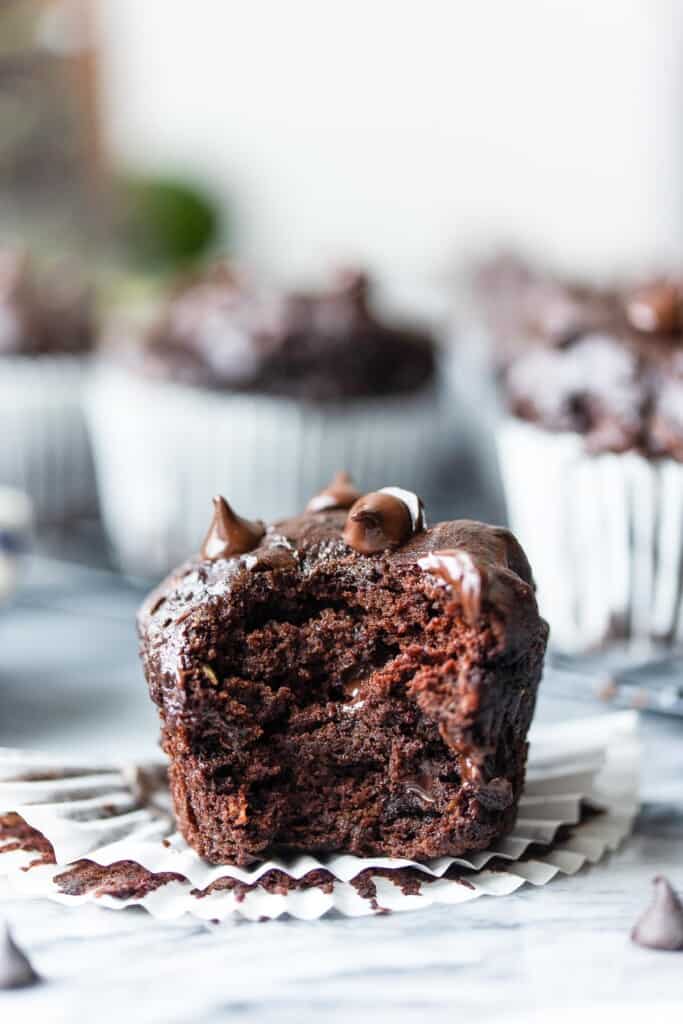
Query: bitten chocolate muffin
[[218, 331], [346, 680]]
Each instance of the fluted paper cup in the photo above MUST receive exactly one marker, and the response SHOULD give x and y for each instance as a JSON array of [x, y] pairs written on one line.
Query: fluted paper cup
[[105, 834], [604, 534], [162, 451], [45, 450]]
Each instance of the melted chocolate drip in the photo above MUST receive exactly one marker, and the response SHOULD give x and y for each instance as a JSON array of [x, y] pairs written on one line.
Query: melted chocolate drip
[[15, 967], [661, 926], [229, 534], [378, 521], [339, 493], [459, 570]]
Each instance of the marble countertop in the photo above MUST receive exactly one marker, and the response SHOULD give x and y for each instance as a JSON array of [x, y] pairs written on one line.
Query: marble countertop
[[69, 680]]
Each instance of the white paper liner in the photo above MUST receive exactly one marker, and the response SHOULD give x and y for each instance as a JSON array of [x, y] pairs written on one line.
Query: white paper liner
[[45, 449], [604, 534], [97, 813], [16, 518], [162, 451]]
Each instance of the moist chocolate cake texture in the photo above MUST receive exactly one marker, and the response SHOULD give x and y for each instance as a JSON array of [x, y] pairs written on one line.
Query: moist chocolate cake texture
[[346, 680], [603, 362]]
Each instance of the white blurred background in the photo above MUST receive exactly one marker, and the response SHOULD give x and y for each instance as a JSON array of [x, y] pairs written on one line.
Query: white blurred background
[[407, 134]]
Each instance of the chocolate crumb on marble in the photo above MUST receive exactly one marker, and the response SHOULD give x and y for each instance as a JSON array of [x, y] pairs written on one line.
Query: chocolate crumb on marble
[[16, 970], [661, 925], [322, 696]]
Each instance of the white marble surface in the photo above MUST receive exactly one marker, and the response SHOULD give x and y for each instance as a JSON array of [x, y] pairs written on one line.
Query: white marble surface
[[69, 680]]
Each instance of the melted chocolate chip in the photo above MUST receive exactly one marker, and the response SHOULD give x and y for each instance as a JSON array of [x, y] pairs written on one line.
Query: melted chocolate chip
[[339, 493], [229, 534], [655, 308], [661, 926], [379, 521], [421, 787], [353, 695], [458, 570], [15, 967]]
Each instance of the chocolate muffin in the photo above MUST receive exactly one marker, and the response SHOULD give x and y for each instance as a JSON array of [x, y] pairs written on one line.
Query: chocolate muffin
[[265, 395], [42, 314], [346, 680], [218, 331], [605, 363], [591, 450], [46, 333]]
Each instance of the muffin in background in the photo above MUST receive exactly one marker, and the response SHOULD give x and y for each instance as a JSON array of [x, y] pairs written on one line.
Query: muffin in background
[[46, 335], [591, 451], [264, 394]]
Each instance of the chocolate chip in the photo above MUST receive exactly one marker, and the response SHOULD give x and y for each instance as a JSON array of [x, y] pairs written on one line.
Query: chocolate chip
[[339, 493], [655, 308], [15, 967], [661, 926], [229, 534], [380, 520]]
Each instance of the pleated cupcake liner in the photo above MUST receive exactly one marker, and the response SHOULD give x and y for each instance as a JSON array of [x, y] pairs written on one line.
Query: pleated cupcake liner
[[108, 815], [604, 534], [16, 520], [162, 451], [45, 450]]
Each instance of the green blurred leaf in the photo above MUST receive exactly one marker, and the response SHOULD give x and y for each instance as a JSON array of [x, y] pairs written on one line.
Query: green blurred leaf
[[166, 224]]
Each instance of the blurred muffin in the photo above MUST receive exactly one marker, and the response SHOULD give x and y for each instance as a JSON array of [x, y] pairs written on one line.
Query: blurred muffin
[[46, 333], [591, 452], [262, 394]]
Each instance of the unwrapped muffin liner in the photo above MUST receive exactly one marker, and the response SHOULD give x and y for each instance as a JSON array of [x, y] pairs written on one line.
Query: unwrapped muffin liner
[[604, 534], [163, 450], [579, 803], [45, 450]]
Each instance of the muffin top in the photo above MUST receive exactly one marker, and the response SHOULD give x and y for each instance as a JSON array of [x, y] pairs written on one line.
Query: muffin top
[[603, 362], [359, 541], [42, 313], [217, 331]]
